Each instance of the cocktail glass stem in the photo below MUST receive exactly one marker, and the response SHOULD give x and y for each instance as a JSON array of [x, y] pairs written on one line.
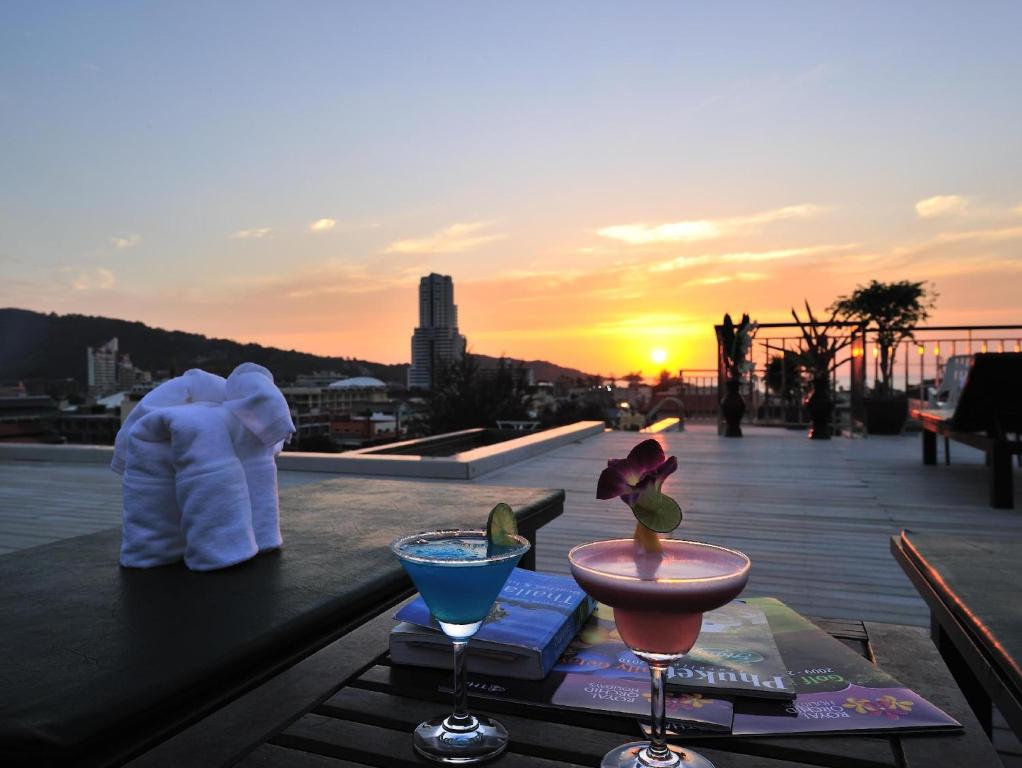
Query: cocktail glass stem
[[657, 752], [460, 719]]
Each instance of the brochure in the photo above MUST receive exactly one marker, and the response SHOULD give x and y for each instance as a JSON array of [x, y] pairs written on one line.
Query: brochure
[[837, 689]]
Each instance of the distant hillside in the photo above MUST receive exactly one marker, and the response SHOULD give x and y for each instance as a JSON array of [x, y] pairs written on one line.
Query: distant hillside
[[38, 346], [541, 369], [50, 346]]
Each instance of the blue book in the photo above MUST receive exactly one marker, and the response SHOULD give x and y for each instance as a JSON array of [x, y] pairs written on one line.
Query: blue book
[[535, 617]]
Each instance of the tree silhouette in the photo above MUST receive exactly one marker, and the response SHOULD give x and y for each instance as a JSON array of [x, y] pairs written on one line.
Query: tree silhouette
[[465, 397], [894, 309]]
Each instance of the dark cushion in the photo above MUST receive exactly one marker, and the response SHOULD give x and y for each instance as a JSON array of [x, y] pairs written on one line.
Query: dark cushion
[[991, 399], [96, 661]]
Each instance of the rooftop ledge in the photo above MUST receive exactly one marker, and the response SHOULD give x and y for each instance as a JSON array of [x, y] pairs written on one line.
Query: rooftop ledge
[[364, 461]]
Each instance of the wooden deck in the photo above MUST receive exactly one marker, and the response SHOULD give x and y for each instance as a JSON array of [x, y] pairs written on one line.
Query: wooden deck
[[814, 516]]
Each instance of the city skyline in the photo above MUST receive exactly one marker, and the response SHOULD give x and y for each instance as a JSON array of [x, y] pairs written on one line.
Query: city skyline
[[602, 182]]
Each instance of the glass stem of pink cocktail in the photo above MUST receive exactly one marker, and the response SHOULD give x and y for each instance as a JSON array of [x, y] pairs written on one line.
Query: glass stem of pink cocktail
[[658, 601]]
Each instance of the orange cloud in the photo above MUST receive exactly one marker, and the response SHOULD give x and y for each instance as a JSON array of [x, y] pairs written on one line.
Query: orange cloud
[[457, 238], [704, 229]]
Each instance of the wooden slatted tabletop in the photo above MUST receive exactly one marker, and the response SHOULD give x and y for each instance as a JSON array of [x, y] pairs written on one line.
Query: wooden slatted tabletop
[[341, 709]]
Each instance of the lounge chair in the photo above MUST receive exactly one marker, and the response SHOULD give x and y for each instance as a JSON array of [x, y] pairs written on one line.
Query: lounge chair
[[985, 415]]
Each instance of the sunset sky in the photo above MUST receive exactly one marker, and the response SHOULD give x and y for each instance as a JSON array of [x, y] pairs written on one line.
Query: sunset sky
[[601, 180]]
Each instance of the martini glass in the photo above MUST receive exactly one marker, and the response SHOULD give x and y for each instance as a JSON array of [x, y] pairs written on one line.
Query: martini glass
[[658, 601], [459, 575]]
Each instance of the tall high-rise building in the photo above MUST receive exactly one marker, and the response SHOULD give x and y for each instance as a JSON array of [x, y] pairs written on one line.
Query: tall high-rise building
[[436, 342], [102, 367], [109, 370]]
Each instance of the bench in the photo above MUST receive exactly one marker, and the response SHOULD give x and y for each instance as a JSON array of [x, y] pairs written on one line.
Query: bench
[[99, 663], [987, 413]]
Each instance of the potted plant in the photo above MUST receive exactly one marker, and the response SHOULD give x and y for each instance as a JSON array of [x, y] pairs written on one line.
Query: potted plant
[[819, 355], [892, 310], [735, 343]]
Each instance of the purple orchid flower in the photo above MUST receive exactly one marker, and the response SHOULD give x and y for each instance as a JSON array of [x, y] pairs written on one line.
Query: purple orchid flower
[[627, 478]]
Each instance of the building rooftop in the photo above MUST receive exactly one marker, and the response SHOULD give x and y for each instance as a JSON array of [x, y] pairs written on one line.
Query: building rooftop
[[358, 382], [814, 516]]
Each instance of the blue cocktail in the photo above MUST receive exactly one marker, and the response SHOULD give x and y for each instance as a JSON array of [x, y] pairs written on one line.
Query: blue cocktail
[[459, 574]]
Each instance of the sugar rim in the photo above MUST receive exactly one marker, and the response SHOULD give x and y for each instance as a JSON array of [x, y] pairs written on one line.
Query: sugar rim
[[479, 533]]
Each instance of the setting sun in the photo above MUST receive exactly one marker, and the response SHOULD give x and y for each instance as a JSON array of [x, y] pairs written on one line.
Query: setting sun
[[658, 356]]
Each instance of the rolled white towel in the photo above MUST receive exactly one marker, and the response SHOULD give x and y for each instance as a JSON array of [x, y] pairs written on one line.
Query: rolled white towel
[[210, 484], [151, 532], [193, 386], [151, 520], [264, 423]]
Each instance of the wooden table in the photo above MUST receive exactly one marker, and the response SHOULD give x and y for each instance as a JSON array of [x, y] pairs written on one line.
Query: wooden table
[[338, 709], [971, 586]]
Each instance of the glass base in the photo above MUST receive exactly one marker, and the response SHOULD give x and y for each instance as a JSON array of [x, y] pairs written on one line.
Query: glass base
[[632, 755], [438, 740]]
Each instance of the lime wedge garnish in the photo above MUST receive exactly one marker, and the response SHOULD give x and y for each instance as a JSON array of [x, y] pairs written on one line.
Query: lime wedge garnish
[[501, 527]]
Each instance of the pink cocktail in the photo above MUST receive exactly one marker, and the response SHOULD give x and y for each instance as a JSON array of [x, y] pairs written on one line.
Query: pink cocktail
[[658, 601]]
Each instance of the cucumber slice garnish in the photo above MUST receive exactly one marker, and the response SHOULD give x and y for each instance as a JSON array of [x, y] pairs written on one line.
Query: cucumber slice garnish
[[657, 511]]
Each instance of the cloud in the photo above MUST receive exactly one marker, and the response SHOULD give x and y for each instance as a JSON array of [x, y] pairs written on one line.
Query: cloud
[[322, 225], [742, 257], [980, 235], [676, 232], [648, 325], [680, 262], [252, 234], [704, 229], [941, 205], [90, 278], [744, 277], [973, 251], [714, 280], [331, 277], [128, 241], [456, 238]]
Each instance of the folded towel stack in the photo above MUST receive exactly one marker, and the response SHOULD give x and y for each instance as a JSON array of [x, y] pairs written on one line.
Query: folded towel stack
[[199, 477]]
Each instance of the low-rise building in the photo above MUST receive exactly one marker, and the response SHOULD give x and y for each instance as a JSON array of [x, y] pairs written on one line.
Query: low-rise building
[[28, 419], [358, 430], [95, 425], [344, 396]]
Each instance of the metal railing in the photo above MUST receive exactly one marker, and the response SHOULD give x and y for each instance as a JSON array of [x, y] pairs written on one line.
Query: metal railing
[[773, 398]]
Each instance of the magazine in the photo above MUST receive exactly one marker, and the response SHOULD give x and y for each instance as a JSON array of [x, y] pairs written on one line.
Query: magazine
[[688, 713], [532, 621], [837, 689], [734, 655]]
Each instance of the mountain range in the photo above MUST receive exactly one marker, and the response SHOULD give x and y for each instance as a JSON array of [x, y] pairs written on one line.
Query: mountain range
[[35, 346]]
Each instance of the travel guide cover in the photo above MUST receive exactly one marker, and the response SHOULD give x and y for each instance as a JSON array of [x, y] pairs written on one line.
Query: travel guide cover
[[532, 621], [735, 655], [691, 713], [837, 690], [598, 673]]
